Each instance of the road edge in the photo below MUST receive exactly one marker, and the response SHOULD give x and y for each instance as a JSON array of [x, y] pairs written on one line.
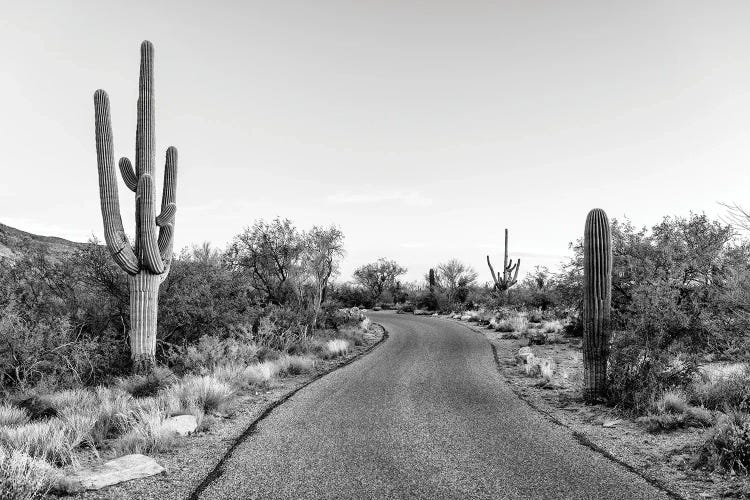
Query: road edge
[[218, 470], [580, 437]]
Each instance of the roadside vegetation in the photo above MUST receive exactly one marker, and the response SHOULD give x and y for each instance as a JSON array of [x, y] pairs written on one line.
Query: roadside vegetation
[[231, 323], [680, 323]]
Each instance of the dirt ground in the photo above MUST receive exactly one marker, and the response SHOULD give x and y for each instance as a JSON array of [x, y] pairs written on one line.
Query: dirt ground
[[664, 459]]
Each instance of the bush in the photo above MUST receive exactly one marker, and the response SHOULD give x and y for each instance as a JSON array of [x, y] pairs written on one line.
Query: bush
[[728, 444], [732, 392], [141, 386], [640, 372]]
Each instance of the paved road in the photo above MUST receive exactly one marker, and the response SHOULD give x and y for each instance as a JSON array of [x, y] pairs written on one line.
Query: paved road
[[425, 415]]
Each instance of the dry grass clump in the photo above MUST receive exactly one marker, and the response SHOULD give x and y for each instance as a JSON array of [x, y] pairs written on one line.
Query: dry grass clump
[[295, 365], [244, 377], [50, 440], [207, 392], [554, 326], [23, 477], [672, 411], [515, 323], [543, 368], [337, 347], [11, 416], [146, 432]]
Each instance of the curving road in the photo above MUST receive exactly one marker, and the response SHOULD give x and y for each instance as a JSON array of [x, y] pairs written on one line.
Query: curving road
[[425, 415]]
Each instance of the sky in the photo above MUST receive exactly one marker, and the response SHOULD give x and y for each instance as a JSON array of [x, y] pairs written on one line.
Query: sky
[[421, 128]]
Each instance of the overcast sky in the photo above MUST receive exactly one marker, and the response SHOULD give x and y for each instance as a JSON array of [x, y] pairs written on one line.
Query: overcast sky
[[421, 128]]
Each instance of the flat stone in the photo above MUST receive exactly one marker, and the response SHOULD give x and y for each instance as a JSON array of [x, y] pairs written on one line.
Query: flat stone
[[181, 425], [611, 423], [113, 472]]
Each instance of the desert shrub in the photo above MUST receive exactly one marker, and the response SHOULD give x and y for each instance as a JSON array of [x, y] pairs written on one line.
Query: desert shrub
[[731, 392], [638, 375], [11, 416], [206, 392], [405, 308], [728, 444], [23, 477], [140, 386], [211, 351]]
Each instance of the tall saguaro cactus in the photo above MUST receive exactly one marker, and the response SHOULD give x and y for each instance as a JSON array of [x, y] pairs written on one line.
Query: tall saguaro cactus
[[597, 299], [504, 282], [147, 262]]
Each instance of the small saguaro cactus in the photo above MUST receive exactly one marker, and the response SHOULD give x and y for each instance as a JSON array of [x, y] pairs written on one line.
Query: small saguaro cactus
[[597, 299], [147, 262], [504, 282]]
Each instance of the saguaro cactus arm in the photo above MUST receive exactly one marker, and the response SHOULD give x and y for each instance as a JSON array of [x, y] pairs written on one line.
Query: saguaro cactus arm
[[128, 175], [150, 255], [166, 219], [114, 234]]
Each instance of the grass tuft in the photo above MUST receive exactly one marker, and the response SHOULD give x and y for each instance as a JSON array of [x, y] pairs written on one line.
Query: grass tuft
[[11, 416], [23, 477], [207, 392], [337, 347]]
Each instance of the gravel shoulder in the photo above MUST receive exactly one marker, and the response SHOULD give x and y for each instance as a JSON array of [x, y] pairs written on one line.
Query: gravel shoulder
[[663, 459], [196, 456]]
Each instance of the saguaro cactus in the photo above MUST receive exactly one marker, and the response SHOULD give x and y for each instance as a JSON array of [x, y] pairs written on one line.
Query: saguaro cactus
[[147, 262], [504, 282], [597, 299]]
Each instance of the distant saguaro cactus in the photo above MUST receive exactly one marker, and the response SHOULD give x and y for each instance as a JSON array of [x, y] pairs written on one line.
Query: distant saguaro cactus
[[597, 299], [504, 282], [147, 263]]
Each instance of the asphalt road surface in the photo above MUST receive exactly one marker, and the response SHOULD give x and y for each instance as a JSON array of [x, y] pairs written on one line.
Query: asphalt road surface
[[425, 415]]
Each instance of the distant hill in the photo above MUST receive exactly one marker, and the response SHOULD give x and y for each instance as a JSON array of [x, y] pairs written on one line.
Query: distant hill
[[12, 243]]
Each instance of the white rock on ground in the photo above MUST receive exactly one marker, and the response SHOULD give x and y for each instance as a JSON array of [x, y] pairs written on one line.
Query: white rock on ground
[[181, 425], [113, 472], [525, 356]]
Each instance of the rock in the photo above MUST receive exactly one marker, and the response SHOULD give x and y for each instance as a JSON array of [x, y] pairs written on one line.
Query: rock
[[524, 355], [465, 317], [611, 423], [435, 314], [109, 473], [181, 425]]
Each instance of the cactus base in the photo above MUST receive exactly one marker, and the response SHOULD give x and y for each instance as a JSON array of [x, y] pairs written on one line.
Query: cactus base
[[144, 295]]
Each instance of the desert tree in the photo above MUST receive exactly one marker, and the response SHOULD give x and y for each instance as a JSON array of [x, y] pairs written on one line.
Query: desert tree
[[376, 277], [323, 250], [456, 278], [268, 254]]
